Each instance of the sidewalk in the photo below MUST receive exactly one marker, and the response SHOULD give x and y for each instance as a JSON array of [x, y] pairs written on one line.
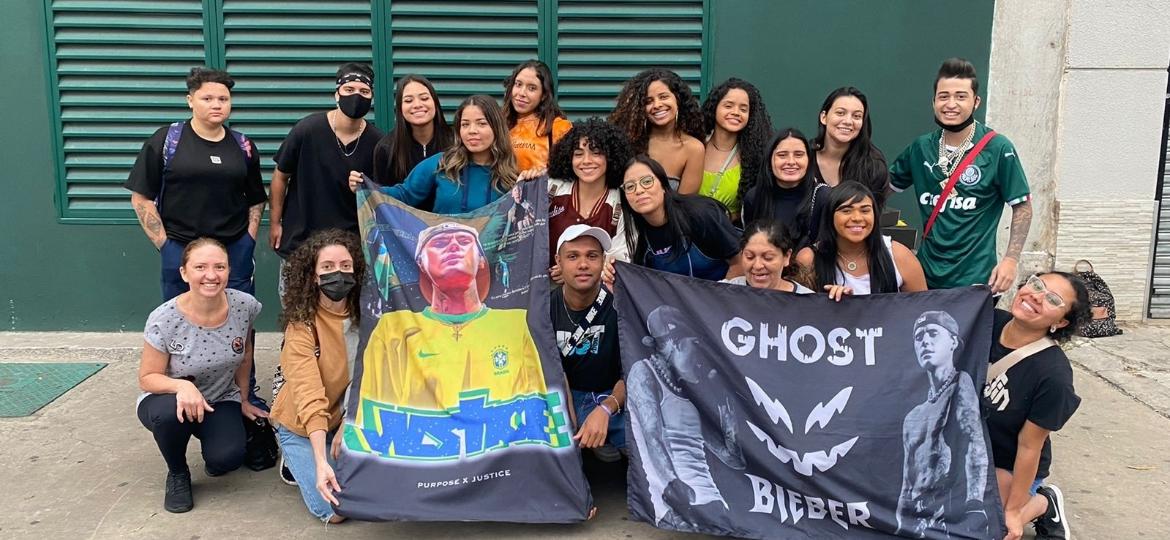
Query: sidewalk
[[83, 467]]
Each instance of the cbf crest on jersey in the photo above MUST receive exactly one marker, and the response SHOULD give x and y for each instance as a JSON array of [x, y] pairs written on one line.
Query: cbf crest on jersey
[[456, 411], [761, 414]]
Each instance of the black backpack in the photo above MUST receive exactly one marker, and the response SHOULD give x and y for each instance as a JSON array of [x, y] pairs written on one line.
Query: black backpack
[[1104, 315]]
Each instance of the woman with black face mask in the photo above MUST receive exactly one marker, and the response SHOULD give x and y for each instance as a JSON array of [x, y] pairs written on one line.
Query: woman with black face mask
[[320, 322]]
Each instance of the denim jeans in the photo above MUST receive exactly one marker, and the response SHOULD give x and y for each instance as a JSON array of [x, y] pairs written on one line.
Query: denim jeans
[[585, 402], [298, 457]]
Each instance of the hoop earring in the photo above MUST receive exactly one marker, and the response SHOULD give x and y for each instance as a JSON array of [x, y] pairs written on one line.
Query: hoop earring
[[1052, 329]]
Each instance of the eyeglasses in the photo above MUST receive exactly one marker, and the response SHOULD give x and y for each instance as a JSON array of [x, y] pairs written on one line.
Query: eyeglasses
[[646, 182], [1036, 285]]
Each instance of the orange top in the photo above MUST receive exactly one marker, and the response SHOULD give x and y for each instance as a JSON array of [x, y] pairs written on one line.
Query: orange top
[[531, 144], [314, 387]]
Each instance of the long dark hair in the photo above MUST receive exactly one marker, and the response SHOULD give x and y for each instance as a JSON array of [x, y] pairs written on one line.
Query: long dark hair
[[882, 276], [677, 207], [629, 113], [863, 161], [752, 138], [547, 110], [604, 138], [766, 181], [401, 140]]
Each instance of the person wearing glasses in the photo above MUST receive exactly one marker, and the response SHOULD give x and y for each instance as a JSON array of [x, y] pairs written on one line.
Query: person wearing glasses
[[1033, 398], [690, 235]]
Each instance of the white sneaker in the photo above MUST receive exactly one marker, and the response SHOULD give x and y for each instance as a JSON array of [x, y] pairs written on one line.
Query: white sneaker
[[285, 474]]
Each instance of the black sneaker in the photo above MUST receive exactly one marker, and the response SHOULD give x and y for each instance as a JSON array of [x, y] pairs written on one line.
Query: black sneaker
[[212, 472], [178, 498], [286, 475], [1053, 525]]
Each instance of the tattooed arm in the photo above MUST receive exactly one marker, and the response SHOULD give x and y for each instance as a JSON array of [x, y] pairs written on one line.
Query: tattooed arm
[[1005, 272], [148, 217], [254, 213]]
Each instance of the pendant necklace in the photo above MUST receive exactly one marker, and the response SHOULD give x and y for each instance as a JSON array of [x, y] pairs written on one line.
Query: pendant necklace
[[948, 160], [850, 262], [342, 147]]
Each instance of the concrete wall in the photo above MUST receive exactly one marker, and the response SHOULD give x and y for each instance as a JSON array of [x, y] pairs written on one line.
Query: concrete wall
[[1110, 137], [1079, 86], [1028, 44]]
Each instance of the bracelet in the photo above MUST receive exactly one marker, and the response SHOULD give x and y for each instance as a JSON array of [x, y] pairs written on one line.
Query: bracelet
[[606, 409]]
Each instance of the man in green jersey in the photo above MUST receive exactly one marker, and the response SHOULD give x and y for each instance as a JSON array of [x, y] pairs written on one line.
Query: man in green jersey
[[960, 249]]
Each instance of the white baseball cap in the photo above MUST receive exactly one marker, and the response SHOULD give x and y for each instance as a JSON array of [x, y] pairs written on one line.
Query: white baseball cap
[[577, 231]]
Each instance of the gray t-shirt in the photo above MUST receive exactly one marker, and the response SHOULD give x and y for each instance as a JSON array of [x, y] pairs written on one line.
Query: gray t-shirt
[[742, 280], [207, 357]]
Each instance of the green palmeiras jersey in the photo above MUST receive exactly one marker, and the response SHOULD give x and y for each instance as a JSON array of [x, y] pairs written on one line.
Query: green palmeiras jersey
[[960, 250]]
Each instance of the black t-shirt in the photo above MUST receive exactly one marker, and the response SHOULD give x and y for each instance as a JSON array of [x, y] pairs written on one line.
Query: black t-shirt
[[1038, 388], [318, 195], [787, 204], [210, 186], [711, 232], [594, 365]]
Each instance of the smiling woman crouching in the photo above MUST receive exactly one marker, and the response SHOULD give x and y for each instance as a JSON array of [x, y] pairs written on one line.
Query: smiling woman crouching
[[195, 362]]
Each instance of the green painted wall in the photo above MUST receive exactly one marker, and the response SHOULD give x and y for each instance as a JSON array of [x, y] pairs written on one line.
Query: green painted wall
[[890, 50], [105, 277], [55, 276]]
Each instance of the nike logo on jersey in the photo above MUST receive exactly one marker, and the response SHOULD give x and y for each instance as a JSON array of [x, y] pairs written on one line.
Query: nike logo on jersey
[[424, 354]]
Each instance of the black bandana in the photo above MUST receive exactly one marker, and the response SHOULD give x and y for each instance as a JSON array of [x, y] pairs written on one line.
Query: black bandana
[[351, 77]]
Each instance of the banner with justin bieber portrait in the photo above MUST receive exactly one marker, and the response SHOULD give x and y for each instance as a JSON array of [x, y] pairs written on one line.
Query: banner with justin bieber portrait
[[456, 409], [763, 414]]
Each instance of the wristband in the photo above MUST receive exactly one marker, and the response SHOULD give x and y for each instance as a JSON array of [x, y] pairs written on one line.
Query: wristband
[[606, 409]]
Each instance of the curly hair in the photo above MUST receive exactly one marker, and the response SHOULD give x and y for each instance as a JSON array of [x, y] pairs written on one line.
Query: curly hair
[[1079, 310], [300, 277], [629, 113], [753, 138], [604, 138]]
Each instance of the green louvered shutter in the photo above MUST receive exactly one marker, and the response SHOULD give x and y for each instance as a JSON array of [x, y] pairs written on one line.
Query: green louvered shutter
[[602, 43], [118, 69], [463, 47], [283, 56]]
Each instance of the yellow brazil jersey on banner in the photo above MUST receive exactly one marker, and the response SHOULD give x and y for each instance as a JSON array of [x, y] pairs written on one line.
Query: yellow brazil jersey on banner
[[426, 360]]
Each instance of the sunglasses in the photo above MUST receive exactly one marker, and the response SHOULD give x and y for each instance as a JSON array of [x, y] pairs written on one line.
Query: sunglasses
[[1036, 285], [646, 182]]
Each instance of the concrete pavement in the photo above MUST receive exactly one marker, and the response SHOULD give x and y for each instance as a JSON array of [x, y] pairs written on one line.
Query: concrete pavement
[[83, 467]]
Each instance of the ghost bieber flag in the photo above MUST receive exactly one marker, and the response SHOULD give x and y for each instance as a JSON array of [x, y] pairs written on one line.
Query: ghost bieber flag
[[456, 411], [762, 414]]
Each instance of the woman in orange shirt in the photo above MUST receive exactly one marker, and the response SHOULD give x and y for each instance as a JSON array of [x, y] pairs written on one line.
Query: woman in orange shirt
[[535, 121], [320, 321]]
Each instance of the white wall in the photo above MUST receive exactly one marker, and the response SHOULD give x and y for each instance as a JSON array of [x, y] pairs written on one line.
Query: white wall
[[1093, 131]]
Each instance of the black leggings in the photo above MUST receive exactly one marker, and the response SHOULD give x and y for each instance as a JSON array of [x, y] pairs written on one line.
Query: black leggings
[[221, 433]]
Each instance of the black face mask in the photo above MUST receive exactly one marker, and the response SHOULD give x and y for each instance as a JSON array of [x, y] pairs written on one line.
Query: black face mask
[[957, 127], [354, 105], [336, 285]]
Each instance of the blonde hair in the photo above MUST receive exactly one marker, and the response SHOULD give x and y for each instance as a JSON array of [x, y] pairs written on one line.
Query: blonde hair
[[503, 161]]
